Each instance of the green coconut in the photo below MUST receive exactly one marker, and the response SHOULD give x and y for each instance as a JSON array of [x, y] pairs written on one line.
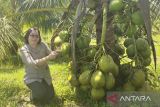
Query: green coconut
[[138, 78], [97, 94], [128, 42], [131, 51], [128, 86], [65, 48], [84, 78], [106, 63], [137, 18], [83, 42], [64, 36], [147, 61], [131, 31], [57, 41], [116, 5], [80, 43], [91, 53], [110, 81], [141, 44], [146, 53], [125, 70], [98, 79], [115, 70]]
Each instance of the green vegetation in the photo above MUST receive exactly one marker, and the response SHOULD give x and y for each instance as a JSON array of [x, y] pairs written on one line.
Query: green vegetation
[[99, 53], [14, 93]]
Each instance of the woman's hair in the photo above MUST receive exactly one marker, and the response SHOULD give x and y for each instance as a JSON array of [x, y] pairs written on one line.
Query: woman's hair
[[28, 33]]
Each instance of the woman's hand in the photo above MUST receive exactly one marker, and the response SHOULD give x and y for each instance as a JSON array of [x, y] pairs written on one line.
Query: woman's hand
[[52, 55], [43, 61]]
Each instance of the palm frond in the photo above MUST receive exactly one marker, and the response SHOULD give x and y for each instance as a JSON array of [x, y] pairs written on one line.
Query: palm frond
[[155, 10], [42, 13], [8, 34], [3, 10], [144, 6], [155, 16]]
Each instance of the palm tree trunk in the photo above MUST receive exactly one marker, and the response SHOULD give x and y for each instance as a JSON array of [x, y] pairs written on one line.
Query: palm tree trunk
[[110, 39], [99, 20]]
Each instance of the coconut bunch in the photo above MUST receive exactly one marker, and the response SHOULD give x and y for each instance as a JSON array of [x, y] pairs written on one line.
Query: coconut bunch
[[62, 43], [138, 50], [97, 73], [128, 20], [132, 78], [97, 81]]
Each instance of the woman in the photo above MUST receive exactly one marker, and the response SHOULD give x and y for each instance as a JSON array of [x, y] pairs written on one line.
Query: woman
[[35, 55]]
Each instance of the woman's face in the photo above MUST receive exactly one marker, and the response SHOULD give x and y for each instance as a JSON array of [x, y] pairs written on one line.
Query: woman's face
[[33, 38]]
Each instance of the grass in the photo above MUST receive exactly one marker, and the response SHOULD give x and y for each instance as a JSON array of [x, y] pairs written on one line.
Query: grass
[[12, 88], [13, 92]]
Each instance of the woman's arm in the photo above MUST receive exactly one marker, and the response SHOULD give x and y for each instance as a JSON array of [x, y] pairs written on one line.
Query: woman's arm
[[44, 60], [49, 55], [28, 59]]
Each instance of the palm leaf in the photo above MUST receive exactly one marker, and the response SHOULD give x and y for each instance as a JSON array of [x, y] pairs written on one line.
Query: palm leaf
[[42, 13], [8, 34], [155, 9], [144, 6]]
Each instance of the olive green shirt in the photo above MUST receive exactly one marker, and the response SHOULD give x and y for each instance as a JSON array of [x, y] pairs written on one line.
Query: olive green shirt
[[34, 72]]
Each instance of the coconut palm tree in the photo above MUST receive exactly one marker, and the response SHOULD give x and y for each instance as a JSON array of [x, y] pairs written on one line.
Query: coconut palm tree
[[146, 7], [9, 32], [50, 14]]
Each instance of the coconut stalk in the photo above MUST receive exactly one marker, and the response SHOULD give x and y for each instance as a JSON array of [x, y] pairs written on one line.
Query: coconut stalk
[[104, 30], [104, 24], [101, 28]]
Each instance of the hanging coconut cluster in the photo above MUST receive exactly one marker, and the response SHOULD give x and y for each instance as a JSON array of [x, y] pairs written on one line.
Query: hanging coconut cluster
[[138, 50], [97, 73], [129, 24], [62, 42], [95, 78]]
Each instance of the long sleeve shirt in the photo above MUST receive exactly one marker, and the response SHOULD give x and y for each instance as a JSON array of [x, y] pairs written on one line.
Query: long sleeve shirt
[[33, 72]]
